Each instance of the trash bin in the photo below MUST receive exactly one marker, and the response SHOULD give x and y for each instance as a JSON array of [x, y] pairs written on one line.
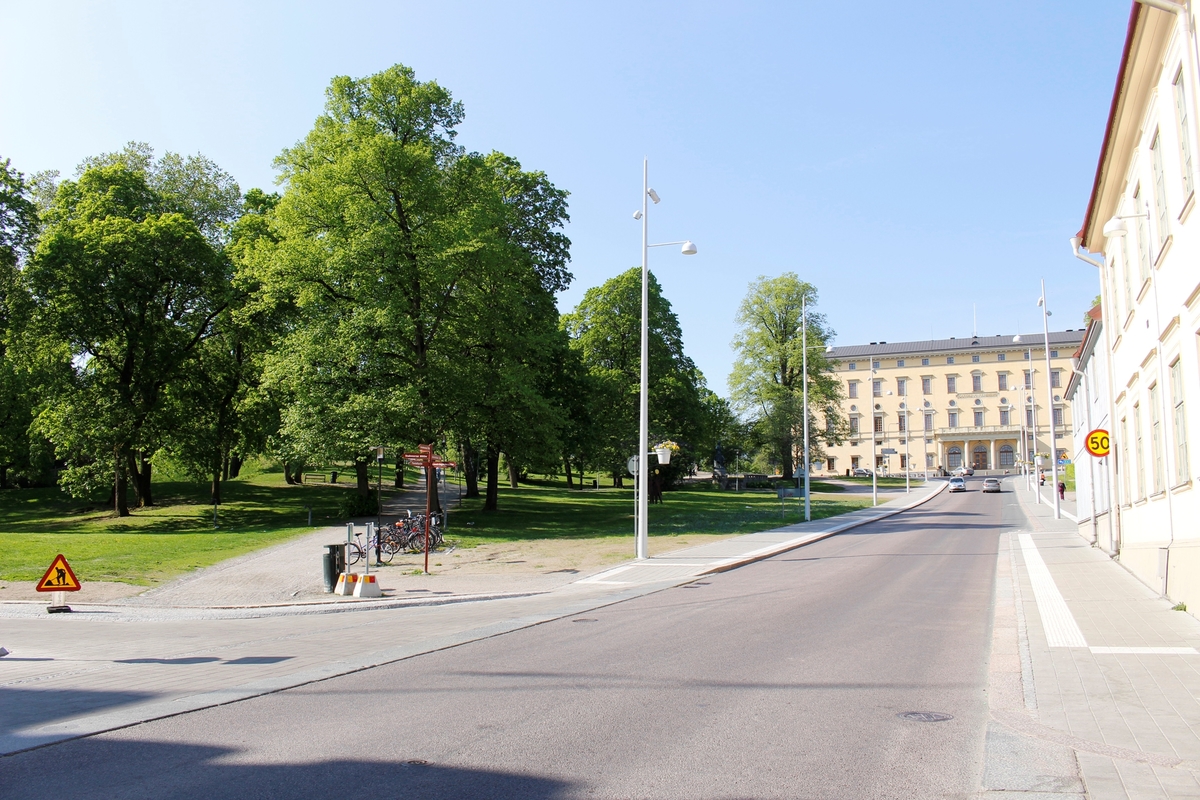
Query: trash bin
[[333, 564], [595, 483]]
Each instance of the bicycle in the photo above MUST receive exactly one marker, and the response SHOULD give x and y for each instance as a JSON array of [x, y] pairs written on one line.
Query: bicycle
[[384, 547]]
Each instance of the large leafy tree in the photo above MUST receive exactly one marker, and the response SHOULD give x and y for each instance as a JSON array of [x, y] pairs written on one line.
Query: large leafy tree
[[767, 378], [18, 232], [606, 330], [125, 288], [396, 247]]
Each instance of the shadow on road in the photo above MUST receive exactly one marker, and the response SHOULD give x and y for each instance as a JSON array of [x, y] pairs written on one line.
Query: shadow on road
[[112, 769]]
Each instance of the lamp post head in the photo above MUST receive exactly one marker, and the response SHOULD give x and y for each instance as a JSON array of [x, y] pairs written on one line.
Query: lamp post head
[[689, 249], [654, 196], [1017, 339], [637, 214], [1115, 227]]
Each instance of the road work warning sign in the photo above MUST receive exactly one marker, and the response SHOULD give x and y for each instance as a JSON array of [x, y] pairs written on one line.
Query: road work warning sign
[[59, 578]]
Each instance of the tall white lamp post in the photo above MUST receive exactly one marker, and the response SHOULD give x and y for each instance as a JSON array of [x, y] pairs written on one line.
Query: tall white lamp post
[[804, 381], [642, 533], [1050, 401]]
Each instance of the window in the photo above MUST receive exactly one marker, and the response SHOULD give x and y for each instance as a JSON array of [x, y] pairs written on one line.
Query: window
[[1127, 271], [1156, 451], [1185, 147], [1002, 382], [1005, 416], [902, 387], [951, 384], [854, 462], [899, 362], [853, 365], [952, 419], [878, 424], [926, 385], [1160, 187], [902, 423], [1054, 354], [903, 461], [875, 364], [929, 461], [976, 383], [1179, 423], [1029, 418], [1000, 356], [1028, 379], [929, 422], [831, 464], [1006, 456], [853, 389], [949, 359], [1139, 452], [974, 359], [854, 426], [953, 458], [877, 388], [978, 419], [924, 362], [1026, 355], [1056, 379], [1143, 235], [1124, 465], [1058, 418]]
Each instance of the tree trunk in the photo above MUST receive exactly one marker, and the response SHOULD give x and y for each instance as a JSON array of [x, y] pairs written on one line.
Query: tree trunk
[[567, 464], [3, 476], [215, 492], [490, 502], [618, 480], [788, 470], [225, 467], [362, 474], [471, 469], [287, 473], [431, 491], [120, 502], [235, 466], [579, 469], [513, 474], [139, 470]]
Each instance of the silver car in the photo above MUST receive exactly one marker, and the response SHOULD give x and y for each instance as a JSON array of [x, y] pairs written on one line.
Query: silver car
[[958, 485], [991, 485]]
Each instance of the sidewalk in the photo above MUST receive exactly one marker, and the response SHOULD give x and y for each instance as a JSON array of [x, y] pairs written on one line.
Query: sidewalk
[[1109, 674], [109, 666]]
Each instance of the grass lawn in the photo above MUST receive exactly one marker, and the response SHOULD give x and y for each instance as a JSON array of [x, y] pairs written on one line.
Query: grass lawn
[[260, 509], [882, 480], [547, 509]]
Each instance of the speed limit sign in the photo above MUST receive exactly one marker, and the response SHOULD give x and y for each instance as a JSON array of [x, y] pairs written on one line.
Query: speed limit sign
[[1097, 443]]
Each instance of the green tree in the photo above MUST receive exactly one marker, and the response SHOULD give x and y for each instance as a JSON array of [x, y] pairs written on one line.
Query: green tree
[[125, 293], [606, 330], [18, 232], [767, 379], [394, 243]]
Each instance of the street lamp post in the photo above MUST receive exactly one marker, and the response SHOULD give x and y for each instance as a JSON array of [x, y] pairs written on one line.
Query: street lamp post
[[907, 459], [642, 533], [1050, 402], [1031, 411], [804, 369]]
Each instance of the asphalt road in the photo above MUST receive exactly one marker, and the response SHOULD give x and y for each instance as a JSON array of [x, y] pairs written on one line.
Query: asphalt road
[[780, 679]]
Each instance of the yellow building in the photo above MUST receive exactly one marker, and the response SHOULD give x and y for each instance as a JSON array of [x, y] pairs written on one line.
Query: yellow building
[[937, 405]]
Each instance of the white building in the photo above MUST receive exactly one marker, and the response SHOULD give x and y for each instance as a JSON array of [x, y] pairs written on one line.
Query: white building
[[1141, 216], [1087, 392]]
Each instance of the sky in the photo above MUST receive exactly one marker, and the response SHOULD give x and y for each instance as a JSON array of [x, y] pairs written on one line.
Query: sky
[[920, 164]]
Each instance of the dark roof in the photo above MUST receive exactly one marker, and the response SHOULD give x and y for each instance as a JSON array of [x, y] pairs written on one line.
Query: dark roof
[[965, 344]]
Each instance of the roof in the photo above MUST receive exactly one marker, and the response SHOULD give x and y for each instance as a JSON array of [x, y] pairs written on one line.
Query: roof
[[953, 345]]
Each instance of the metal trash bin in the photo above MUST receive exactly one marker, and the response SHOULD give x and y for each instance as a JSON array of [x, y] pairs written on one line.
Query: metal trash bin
[[333, 564]]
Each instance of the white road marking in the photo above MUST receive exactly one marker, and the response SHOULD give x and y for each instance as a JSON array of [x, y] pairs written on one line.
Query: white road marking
[[1149, 651], [1060, 626]]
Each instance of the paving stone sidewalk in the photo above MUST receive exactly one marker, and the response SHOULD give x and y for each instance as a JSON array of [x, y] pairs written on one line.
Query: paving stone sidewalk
[[1115, 671]]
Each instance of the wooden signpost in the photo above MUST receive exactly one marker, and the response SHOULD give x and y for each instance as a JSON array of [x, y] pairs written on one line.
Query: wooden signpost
[[430, 462]]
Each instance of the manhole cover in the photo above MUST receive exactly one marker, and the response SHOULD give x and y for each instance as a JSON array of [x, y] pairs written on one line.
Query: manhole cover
[[924, 716], [583, 619], [416, 761]]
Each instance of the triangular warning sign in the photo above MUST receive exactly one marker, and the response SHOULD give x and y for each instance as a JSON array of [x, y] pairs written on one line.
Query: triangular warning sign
[[59, 578]]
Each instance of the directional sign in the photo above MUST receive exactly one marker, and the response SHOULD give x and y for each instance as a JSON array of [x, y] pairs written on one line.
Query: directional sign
[[632, 465], [1097, 443], [59, 578]]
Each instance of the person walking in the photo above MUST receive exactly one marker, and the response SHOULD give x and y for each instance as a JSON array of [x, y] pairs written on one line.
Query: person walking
[[1062, 491]]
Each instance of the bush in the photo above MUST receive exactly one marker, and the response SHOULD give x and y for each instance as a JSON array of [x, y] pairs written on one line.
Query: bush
[[354, 504]]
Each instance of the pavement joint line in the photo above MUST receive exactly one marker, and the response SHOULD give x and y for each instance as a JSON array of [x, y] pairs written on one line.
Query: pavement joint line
[[1151, 651], [1060, 626], [1027, 687]]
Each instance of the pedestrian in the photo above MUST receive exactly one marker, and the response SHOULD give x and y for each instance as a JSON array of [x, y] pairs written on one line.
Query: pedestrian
[[1062, 491], [1041, 478]]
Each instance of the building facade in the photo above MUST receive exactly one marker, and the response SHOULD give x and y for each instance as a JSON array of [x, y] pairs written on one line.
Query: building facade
[[938, 405], [1142, 226], [1087, 393]]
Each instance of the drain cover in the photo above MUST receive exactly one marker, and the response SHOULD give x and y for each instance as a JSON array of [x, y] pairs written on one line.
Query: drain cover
[[583, 619], [416, 761], [924, 716]]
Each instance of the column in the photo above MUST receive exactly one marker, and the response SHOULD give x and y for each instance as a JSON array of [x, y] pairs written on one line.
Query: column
[[994, 464]]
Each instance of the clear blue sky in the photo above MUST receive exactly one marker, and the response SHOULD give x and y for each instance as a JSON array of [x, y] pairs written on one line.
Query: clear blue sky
[[907, 159]]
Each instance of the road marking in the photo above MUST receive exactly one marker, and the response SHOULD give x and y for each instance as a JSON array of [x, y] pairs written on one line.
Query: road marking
[[1149, 651], [1060, 626]]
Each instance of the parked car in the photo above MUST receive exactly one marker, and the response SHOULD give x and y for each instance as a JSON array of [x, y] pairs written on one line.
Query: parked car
[[958, 484], [963, 471], [991, 485], [859, 472]]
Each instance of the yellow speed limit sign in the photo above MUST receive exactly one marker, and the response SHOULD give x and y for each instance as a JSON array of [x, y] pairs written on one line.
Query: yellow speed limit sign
[[1097, 443]]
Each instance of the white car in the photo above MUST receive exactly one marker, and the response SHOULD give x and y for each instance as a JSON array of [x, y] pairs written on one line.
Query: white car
[[958, 485]]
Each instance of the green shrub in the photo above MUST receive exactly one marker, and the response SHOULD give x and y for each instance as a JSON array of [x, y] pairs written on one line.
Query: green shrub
[[354, 504]]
